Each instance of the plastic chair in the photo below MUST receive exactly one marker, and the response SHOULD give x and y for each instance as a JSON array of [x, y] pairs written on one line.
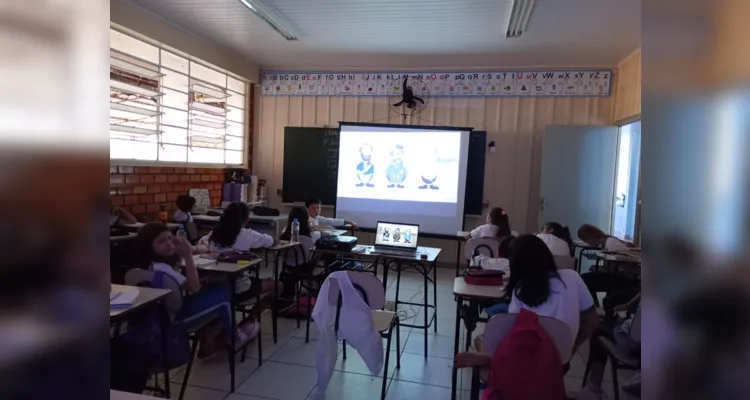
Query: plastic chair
[[565, 262], [295, 260], [384, 321], [173, 303], [620, 360], [476, 246], [499, 326]]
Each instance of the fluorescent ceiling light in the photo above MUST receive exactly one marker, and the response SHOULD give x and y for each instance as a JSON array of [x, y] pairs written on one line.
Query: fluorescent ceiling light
[[267, 14], [519, 17]]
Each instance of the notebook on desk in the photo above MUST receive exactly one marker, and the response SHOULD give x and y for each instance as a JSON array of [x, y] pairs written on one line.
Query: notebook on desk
[[121, 299], [395, 238]]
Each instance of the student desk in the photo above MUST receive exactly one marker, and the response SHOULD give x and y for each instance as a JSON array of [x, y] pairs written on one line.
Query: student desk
[[279, 248], [586, 250], [271, 225], [399, 263], [473, 294], [138, 225], [121, 238], [232, 271], [147, 297]]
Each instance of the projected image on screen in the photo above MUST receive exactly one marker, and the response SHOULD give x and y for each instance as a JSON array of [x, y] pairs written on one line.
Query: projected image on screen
[[410, 175], [396, 166]]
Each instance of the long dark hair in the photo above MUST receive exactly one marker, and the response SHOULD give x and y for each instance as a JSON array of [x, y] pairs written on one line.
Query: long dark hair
[[300, 213], [561, 232], [499, 218], [531, 266], [230, 224], [144, 247], [592, 235], [503, 250]]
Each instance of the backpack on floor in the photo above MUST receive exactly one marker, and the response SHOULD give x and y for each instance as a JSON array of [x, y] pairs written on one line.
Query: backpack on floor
[[526, 364]]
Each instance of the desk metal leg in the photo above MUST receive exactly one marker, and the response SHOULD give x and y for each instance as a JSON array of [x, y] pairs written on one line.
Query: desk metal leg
[[231, 351], [164, 322], [274, 311], [456, 339], [434, 291], [458, 257], [386, 265], [426, 305]]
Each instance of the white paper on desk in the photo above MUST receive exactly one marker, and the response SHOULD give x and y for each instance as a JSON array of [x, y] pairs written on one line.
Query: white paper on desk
[[203, 262], [123, 298]]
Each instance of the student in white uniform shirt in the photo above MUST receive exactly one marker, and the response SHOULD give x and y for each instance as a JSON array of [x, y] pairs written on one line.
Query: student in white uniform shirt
[[158, 250], [497, 226], [184, 204], [317, 221], [231, 234], [557, 238], [608, 282], [537, 285]]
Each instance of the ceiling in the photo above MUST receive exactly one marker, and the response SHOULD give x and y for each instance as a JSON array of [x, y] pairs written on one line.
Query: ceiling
[[403, 34]]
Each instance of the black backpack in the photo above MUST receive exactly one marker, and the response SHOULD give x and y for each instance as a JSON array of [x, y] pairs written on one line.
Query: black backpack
[[265, 211]]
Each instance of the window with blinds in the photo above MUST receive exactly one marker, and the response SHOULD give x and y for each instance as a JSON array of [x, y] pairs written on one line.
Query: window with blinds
[[167, 108]]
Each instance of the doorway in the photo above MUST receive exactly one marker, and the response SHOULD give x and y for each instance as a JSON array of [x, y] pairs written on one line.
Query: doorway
[[626, 181]]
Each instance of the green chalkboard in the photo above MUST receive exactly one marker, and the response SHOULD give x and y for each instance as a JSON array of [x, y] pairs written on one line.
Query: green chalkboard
[[311, 164]]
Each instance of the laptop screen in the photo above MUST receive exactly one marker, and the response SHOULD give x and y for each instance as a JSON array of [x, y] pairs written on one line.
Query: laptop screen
[[399, 235]]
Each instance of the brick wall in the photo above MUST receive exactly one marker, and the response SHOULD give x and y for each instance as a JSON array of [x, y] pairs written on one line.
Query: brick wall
[[143, 190]]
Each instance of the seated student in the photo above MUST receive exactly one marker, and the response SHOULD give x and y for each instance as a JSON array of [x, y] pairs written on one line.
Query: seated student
[[625, 278], [231, 234], [317, 221], [497, 226], [158, 250], [596, 237], [300, 214], [557, 238], [184, 204], [499, 263], [118, 216], [537, 285], [619, 334]]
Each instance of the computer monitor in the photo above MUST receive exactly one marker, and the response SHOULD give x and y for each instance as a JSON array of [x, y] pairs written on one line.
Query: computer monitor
[[391, 234]]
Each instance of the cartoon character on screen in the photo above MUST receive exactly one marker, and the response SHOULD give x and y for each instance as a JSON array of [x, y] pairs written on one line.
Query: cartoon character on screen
[[365, 169], [407, 236], [430, 168], [396, 172], [397, 235], [386, 234]]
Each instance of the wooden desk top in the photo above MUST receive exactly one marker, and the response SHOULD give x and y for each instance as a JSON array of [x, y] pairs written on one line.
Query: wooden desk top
[[230, 268], [584, 245], [633, 257], [117, 395], [138, 225], [120, 238], [369, 251], [467, 291], [146, 296], [281, 245]]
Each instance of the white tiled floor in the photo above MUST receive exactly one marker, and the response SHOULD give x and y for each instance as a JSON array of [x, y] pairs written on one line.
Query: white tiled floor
[[288, 372]]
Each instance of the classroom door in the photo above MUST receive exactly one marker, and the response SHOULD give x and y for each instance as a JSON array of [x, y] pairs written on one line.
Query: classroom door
[[578, 176]]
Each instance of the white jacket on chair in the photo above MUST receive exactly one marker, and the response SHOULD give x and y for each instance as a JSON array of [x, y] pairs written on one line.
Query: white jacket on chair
[[355, 326]]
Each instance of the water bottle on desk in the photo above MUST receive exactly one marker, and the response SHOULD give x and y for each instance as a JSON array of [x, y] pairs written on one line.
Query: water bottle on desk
[[295, 231], [181, 232]]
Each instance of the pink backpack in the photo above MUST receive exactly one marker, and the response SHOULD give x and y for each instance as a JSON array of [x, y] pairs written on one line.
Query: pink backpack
[[526, 364]]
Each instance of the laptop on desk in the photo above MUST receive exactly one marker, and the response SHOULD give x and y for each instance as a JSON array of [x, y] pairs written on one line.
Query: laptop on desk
[[397, 239]]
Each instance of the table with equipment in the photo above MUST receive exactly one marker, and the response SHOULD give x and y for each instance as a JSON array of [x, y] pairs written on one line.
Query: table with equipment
[[423, 261], [272, 225]]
